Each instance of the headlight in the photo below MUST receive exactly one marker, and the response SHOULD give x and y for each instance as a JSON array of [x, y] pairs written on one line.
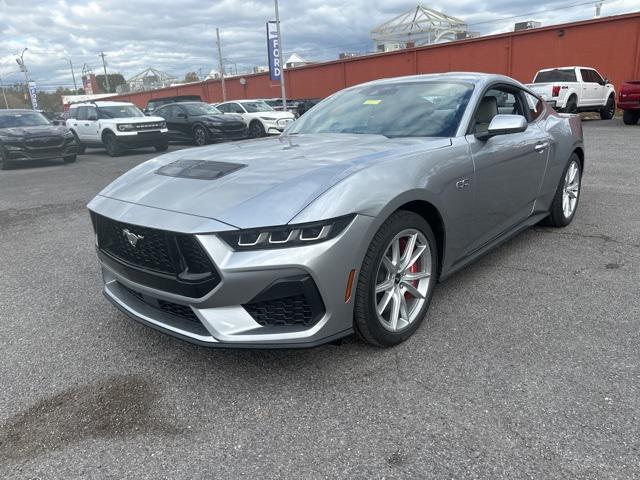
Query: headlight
[[269, 119], [163, 125], [286, 235], [214, 124], [126, 127]]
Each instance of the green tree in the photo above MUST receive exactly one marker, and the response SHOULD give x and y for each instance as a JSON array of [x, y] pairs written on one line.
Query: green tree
[[191, 77]]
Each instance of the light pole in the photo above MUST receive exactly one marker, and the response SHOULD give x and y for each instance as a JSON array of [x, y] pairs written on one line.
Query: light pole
[[23, 69], [280, 55], [73, 75], [221, 66]]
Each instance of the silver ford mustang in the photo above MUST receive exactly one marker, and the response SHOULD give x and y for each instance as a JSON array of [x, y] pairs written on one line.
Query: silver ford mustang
[[344, 223]]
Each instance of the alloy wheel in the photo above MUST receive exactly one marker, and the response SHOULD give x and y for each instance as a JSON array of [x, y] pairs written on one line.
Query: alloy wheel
[[402, 280], [200, 136], [571, 189]]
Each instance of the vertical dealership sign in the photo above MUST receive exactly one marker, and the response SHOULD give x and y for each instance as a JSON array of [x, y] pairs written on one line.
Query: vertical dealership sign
[[273, 50], [33, 94]]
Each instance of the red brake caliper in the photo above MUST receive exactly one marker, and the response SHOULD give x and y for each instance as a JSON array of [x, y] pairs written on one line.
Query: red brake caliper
[[413, 268]]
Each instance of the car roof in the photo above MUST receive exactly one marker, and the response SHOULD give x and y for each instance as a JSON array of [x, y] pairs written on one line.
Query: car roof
[[100, 104], [17, 110]]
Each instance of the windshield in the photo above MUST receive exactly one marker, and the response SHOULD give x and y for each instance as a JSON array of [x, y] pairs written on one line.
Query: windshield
[[558, 75], [258, 106], [120, 111], [22, 119], [200, 109], [412, 109]]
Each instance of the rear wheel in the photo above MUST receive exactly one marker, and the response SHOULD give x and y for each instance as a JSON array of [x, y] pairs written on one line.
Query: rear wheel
[[70, 159], [609, 110], [114, 149], [572, 105], [630, 117], [396, 281], [256, 129], [200, 136], [565, 202]]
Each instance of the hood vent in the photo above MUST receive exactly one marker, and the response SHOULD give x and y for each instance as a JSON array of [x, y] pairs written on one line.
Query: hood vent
[[199, 169]]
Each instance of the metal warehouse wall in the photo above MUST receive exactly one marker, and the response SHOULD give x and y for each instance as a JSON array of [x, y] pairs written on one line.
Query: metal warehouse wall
[[610, 44]]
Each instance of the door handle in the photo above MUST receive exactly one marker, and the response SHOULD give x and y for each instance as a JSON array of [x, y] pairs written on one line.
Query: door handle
[[540, 147]]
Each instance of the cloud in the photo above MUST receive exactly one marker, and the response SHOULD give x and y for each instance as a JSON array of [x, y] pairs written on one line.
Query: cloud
[[178, 37]]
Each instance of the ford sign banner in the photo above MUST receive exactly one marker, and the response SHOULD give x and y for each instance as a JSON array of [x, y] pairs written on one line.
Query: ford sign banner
[[273, 50], [33, 93]]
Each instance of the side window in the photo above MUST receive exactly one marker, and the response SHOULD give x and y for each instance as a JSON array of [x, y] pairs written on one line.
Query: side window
[[92, 112], [235, 108], [587, 75], [82, 113], [162, 112], [73, 112], [596, 77], [536, 107], [508, 103], [497, 101], [223, 108]]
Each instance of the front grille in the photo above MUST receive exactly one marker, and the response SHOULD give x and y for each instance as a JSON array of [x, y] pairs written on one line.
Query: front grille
[[150, 252], [294, 310], [147, 126], [163, 260], [44, 143]]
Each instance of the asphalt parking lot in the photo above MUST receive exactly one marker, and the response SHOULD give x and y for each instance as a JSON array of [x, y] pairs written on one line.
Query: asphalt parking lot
[[528, 365]]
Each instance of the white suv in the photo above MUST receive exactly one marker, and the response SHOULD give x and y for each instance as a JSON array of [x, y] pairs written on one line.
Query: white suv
[[116, 126], [260, 118]]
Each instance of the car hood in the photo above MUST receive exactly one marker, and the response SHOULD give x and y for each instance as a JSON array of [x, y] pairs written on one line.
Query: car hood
[[266, 181], [36, 131]]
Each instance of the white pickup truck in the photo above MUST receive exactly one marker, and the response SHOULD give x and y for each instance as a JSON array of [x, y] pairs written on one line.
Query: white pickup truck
[[576, 89]]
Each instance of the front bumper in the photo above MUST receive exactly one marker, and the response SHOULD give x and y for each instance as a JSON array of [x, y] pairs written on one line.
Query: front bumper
[[221, 317], [276, 127], [17, 151], [143, 139], [217, 134]]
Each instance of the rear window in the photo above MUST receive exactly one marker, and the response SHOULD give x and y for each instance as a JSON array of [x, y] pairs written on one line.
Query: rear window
[[558, 75]]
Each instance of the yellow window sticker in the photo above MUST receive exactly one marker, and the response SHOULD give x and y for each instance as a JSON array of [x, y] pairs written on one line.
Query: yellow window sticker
[[372, 102]]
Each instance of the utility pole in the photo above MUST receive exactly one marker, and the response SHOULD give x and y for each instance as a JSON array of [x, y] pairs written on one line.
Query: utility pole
[[598, 9], [73, 75], [224, 90], [106, 77], [280, 56]]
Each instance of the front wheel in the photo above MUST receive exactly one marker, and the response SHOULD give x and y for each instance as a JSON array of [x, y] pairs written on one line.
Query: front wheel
[[396, 281], [565, 202], [609, 110], [114, 149], [572, 105], [70, 159], [256, 129], [630, 117], [80, 147], [200, 136]]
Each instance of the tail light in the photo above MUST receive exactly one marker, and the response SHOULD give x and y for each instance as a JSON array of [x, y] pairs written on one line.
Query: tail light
[[556, 91]]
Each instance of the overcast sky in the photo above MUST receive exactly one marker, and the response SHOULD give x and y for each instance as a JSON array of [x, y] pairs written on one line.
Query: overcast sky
[[178, 36]]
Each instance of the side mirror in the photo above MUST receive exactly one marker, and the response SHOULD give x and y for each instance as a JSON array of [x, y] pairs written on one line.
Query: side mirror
[[605, 81], [503, 125]]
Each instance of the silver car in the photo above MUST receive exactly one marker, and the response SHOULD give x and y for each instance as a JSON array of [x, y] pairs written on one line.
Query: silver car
[[345, 223]]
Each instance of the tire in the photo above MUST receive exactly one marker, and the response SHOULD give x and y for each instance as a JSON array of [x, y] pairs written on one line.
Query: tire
[[114, 149], [609, 110], [377, 328], [162, 148], [70, 159], [558, 217], [630, 117], [81, 148], [4, 164], [256, 129], [572, 105], [200, 135]]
